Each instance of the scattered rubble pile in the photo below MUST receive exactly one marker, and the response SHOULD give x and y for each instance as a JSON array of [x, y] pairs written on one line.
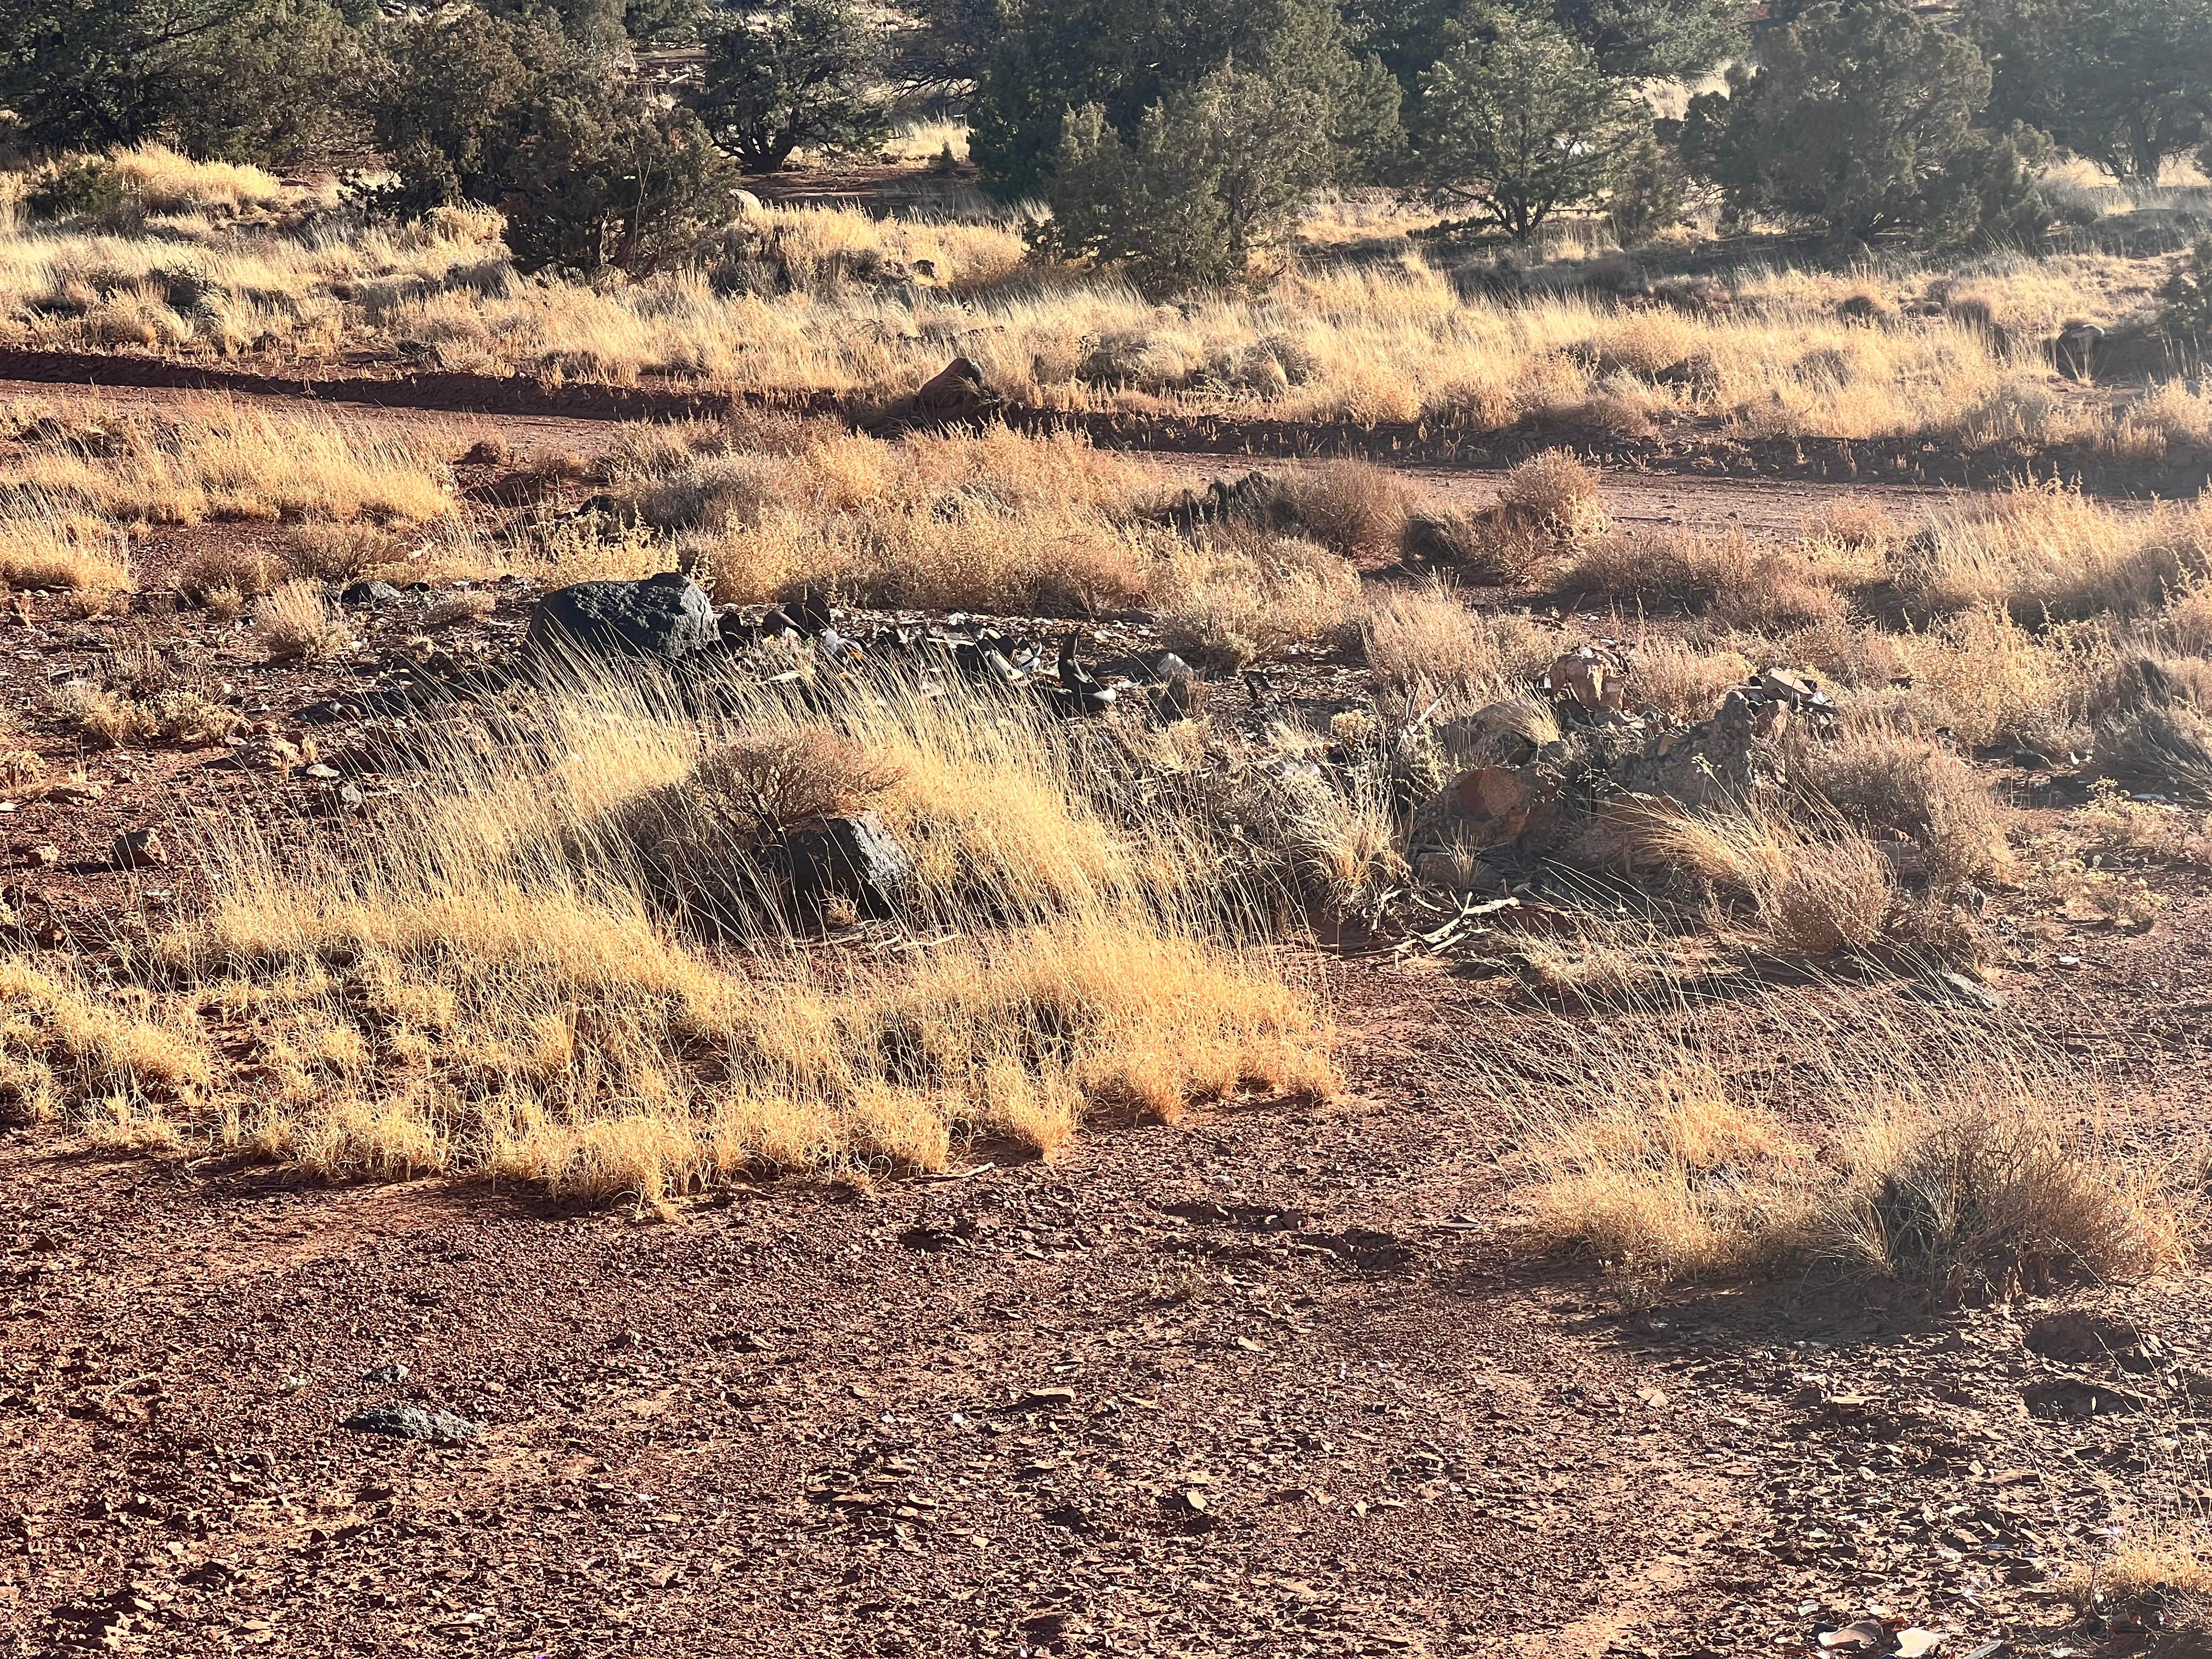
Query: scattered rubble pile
[[1496, 804], [1532, 769]]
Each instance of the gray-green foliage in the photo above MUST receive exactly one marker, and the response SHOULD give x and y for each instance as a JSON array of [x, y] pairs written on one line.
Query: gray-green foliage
[[806, 73], [1051, 57], [590, 168], [1212, 177], [2125, 84], [272, 81], [1861, 118], [2188, 296], [1519, 119]]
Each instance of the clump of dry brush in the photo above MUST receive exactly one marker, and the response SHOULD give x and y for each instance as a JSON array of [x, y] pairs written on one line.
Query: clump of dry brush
[[494, 985], [1675, 1142]]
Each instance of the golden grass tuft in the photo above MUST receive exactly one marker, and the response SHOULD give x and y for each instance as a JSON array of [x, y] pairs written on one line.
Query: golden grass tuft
[[1851, 521], [339, 552], [118, 719], [43, 545], [215, 458], [994, 522], [1558, 493], [1425, 641], [64, 1045], [489, 990], [1684, 684], [1740, 583], [1353, 507], [1674, 1179], [2046, 551], [296, 623], [1958, 1163], [1243, 594], [1880, 778], [2160, 1574], [167, 182], [1818, 890], [229, 572], [1994, 1192], [1984, 678]]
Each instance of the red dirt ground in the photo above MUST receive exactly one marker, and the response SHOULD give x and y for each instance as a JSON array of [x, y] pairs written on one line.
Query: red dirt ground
[[1275, 1380]]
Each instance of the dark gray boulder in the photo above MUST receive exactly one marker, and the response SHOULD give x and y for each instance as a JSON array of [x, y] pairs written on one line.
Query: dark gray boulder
[[667, 617], [856, 858], [371, 592]]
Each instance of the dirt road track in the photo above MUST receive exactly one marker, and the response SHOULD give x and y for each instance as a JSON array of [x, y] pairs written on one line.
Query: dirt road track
[[1638, 497]]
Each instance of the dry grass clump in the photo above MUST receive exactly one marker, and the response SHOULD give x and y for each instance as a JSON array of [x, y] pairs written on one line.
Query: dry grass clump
[[2045, 551], [1740, 583], [68, 1049], [145, 697], [1353, 507], [219, 459], [113, 718], [2152, 725], [1547, 505], [1843, 654], [462, 606], [1243, 594], [2187, 622], [2161, 1575], [1955, 1164], [296, 623], [1425, 641], [43, 545], [1802, 890], [1557, 493], [1332, 840], [1684, 685], [1882, 779], [994, 522], [2170, 415], [1853, 522], [491, 990], [702, 834], [339, 552], [167, 182], [226, 573], [1994, 1192], [812, 773], [105, 718], [1984, 678], [1676, 1179]]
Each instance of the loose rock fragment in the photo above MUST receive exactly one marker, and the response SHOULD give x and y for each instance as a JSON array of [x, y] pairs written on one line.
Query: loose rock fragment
[[413, 1423]]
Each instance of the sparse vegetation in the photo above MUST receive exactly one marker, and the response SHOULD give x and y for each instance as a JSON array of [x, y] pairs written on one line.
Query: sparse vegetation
[[296, 622], [1961, 1178], [44, 545], [1425, 641], [221, 461], [1755, 925]]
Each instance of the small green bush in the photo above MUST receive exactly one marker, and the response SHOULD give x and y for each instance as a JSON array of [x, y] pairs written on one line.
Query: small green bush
[[78, 186]]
